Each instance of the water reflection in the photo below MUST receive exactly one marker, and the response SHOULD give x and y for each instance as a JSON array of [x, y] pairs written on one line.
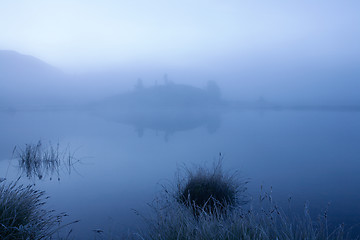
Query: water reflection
[[168, 122], [167, 108]]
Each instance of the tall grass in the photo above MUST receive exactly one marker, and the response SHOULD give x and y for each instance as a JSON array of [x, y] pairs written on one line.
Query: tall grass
[[174, 219], [177, 214], [39, 160], [22, 213], [209, 189]]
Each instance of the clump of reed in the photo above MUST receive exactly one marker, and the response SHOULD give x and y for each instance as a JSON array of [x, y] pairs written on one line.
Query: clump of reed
[[210, 189], [176, 215], [39, 160], [22, 213]]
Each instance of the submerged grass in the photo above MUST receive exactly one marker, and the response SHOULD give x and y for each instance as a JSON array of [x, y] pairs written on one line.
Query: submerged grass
[[39, 160], [22, 213]]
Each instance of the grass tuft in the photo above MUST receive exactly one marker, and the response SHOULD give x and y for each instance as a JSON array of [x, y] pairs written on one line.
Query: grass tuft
[[211, 189], [223, 217], [22, 215]]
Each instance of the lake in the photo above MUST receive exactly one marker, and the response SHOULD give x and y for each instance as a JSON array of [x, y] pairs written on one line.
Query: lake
[[306, 154]]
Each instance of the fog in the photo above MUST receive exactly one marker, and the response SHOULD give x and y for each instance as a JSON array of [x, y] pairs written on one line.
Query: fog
[[281, 81], [289, 53], [133, 89]]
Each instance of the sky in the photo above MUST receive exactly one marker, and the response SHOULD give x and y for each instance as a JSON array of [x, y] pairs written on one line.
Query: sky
[[74, 34], [307, 51]]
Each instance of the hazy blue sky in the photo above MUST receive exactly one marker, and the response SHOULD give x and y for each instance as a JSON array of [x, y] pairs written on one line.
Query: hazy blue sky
[[84, 33]]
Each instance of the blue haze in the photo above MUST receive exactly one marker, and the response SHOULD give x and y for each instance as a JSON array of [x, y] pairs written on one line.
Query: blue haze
[[127, 86]]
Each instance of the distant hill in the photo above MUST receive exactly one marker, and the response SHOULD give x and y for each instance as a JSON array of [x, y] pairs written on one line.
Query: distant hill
[[13, 63], [26, 80]]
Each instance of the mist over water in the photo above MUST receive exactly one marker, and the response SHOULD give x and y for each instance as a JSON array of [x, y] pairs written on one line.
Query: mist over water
[[308, 155], [132, 91]]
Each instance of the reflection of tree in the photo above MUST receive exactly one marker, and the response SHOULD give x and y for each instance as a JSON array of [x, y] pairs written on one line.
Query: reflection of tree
[[39, 161], [167, 108], [168, 121]]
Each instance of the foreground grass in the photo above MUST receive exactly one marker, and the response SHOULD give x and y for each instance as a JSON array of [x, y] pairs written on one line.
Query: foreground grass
[[173, 220], [230, 216], [22, 215], [202, 204]]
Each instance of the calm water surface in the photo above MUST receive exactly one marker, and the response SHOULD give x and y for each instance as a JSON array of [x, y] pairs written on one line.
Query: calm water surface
[[309, 155]]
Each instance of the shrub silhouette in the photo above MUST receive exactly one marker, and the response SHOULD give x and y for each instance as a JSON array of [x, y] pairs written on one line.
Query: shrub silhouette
[[211, 190]]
